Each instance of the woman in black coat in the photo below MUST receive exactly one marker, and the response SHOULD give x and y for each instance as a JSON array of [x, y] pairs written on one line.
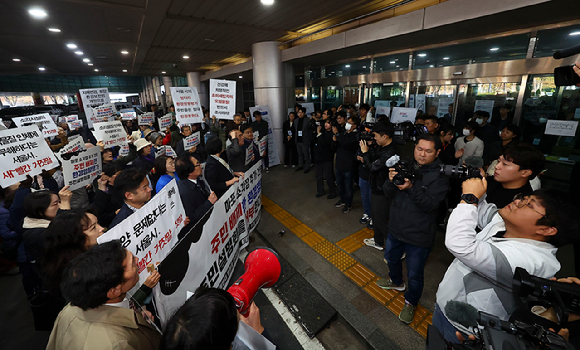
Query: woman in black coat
[[290, 151], [218, 174]]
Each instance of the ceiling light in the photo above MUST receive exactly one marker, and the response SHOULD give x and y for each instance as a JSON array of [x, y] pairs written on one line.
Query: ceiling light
[[185, 57], [90, 64], [41, 68], [96, 70], [71, 46], [494, 49], [124, 71], [37, 13], [240, 77], [125, 52], [16, 59], [445, 58], [209, 40], [86, 60], [267, 2], [431, 66], [422, 54], [347, 66], [364, 67], [54, 30], [392, 62], [574, 33], [163, 72], [78, 53]]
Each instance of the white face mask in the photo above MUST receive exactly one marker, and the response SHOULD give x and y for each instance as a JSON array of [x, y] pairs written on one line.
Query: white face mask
[[466, 132], [347, 126], [479, 121]]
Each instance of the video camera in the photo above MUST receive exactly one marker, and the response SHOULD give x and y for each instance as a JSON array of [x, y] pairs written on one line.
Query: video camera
[[406, 169], [565, 76], [459, 172], [406, 131], [525, 330], [366, 131]]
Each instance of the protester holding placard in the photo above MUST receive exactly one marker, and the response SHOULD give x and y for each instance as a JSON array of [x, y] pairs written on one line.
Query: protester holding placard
[[251, 147], [163, 172], [59, 141], [236, 151], [133, 186], [156, 140], [218, 173], [261, 126], [177, 136]]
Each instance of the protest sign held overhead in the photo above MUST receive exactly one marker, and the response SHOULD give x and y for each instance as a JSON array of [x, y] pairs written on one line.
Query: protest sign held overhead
[[23, 151], [69, 118], [131, 115], [165, 151], [222, 100], [187, 106], [124, 150], [81, 169], [208, 254], [146, 118], [104, 113], [111, 133], [91, 98], [151, 231], [402, 114], [49, 128], [75, 144], [75, 124], [191, 141], [165, 121]]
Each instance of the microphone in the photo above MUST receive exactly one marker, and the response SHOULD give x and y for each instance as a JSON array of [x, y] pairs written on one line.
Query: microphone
[[392, 161], [571, 51], [462, 313]]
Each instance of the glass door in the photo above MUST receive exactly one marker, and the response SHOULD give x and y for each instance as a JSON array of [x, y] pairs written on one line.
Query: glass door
[[489, 98]]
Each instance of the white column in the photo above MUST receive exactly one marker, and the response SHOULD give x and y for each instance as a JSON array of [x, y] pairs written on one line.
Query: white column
[[202, 88], [167, 83], [269, 87]]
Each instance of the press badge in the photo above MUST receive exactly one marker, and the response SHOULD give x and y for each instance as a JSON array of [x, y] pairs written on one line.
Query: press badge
[[300, 133]]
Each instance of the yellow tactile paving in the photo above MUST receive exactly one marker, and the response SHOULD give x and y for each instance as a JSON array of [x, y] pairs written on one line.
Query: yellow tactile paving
[[326, 249], [348, 244], [341, 260], [360, 275], [313, 239], [301, 230]]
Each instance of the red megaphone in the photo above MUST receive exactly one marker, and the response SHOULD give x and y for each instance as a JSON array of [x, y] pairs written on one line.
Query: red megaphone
[[263, 269]]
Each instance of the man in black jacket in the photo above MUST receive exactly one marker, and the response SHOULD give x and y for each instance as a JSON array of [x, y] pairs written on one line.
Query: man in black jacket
[[323, 158], [415, 206], [302, 140], [261, 126], [133, 187], [345, 143], [375, 160]]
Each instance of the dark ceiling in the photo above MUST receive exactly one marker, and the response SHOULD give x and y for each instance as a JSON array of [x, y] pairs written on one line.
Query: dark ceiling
[[156, 33]]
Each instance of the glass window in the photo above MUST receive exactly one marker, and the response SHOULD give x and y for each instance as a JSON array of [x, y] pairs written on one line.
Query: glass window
[[345, 69], [488, 97], [315, 94], [388, 92], [544, 101], [391, 63], [351, 95], [313, 73], [333, 96], [552, 40], [433, 99], [492, 50]]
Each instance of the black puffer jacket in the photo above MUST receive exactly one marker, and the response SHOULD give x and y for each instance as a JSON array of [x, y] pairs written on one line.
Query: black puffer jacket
[[375, 161], [414, 210], [323, 148], [346, 145]]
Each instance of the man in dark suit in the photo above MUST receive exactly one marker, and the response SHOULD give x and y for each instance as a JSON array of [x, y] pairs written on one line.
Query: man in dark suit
[[133, 187], [218, 173], [196, 196]]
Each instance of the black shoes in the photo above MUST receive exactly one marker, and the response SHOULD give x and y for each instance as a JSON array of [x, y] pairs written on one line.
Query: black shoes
[[339, 204], [299, 168], [307, 171], [331, 196], [318, 195], [345, 209]]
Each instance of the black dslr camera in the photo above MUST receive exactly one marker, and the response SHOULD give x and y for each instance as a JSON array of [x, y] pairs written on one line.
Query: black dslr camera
[[366, 131], [565, 76], [406, 131], [406, 169], [459, 172]]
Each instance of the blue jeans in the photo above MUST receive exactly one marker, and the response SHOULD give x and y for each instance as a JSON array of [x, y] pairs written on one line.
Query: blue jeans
[[446, 328], [365, 194], [344, 183], [416, 258]]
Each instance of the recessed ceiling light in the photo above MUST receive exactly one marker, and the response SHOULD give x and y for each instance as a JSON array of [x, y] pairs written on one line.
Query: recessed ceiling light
[[54, 30], [16, 59], [163, 72], [494, 49], [445, 58], [121, 29], [392, 62], [267, 2], [574, 33], [364, 67], [347, 65], [432, 66], [209, 40], [78, 53], [422, 54], [41, 68], [86, 60], [71, 46], [185, 57], [240, 77], [124, 71], [37, 13], [90, 64], [125, 52], [96, 70]]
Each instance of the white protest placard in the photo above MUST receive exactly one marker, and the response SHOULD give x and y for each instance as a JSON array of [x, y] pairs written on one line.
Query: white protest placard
[[187, 106], [91, 98], [402, 114], [70, 118], [273, 157], [420, 102], [130, 115], [124, 150], [74, 144], [382, 107], [208, 254], [111, 133], [192, 140], [165, 151], [262, 146], [484, 105], [146, 118], [222, 98], [3, 127], [561, 127], [49, 128], [165, 121], [309, 107], [104, 113], [23, 151], [252, 339], [249, 154], [80, 170], [75, 124], [151, 231], [443, 107]]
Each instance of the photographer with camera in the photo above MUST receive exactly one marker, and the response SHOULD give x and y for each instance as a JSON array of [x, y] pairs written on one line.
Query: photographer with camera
[[414, 206], [345, 143], [526, 233], [375, 161]]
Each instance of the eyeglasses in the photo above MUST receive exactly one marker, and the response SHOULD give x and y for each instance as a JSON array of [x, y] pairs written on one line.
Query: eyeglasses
[[525, 201]]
